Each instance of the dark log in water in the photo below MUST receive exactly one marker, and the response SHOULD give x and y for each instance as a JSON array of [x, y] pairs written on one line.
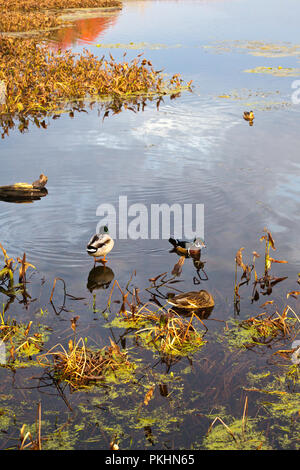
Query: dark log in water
[[24, 192]]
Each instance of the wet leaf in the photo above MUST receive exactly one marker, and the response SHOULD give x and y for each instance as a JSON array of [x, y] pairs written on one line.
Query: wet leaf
[[267, 303], [239, 260], [74, 322], [272, 260], [277, 279], [293, 293]]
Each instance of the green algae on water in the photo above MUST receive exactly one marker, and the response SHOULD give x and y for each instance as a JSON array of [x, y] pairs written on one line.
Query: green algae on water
[[137, 46], [275, 71]]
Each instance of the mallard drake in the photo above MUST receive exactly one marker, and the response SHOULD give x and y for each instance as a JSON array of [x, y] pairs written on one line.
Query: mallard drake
[[248, 115], [100, 245], [192, 300], [188, 248]]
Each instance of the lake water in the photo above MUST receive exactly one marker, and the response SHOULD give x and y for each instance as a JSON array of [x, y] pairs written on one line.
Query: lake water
[[196, 149]]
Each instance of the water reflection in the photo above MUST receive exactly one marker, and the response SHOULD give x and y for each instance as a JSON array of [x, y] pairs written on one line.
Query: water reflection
[[84, 31], [100, 277], [16, 198], [201, 274]]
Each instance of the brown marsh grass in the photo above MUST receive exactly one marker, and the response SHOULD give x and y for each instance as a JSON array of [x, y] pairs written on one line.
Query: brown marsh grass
[[33, 5], [41, 83], [35, 15], [19, 21], [80, 366]]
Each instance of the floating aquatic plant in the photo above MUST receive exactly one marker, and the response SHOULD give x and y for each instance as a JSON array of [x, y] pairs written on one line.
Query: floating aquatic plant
[[266, 281], [256, 48], [136, 45], [172, 335], [8, 284], [276, 71], [238, 434], [164, 331], [81, 366], [19, 339], [279, 406], [26, 438], [262, 329]]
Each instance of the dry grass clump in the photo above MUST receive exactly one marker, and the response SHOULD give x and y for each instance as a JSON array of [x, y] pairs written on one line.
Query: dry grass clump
[[266, 327], [165, 331], [41, 82], [172, 335], [81, 366]]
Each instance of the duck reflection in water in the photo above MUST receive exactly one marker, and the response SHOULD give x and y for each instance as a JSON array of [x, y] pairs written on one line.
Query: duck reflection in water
[[195, 255], [100, 277]]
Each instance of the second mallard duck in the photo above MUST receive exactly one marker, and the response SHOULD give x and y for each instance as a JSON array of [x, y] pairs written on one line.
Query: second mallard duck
[[100, 245], [193, 300]]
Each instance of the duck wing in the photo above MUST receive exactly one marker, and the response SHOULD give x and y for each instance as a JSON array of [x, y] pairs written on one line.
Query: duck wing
[[177, 243], [186, 300], [97, 241]]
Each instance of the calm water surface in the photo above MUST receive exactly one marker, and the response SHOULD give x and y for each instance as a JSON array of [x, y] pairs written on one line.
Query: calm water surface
[[194, 149]]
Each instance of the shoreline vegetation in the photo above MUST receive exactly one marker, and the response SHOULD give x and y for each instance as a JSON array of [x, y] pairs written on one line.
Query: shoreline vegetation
[[31, 15], [39, 82]]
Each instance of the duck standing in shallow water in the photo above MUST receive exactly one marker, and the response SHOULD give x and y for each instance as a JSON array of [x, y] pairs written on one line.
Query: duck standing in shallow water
[[100, 245]]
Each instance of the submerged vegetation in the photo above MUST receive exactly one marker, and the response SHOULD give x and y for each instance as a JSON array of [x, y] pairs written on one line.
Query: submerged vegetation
[[171, 335], [22, 344], [141, 388]]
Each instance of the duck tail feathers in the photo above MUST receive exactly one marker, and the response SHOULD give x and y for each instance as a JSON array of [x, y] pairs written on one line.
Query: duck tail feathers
[[173, 242]]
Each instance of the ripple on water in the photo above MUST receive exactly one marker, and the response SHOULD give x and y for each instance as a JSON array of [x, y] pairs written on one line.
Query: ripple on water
[[163, 157]]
